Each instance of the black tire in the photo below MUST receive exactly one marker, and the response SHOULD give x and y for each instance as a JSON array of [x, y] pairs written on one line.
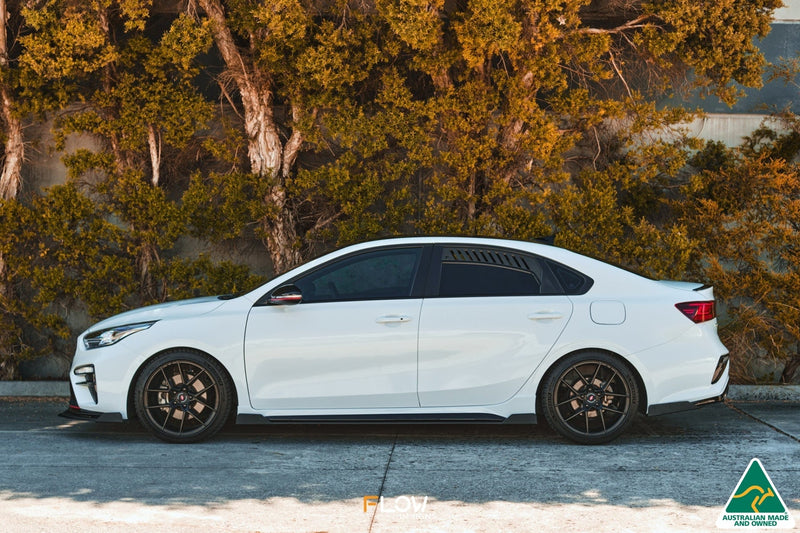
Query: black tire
[[183, 396], [590, 397]]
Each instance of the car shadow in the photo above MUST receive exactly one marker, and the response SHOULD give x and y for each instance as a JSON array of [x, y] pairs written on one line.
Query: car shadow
[[477, 463]]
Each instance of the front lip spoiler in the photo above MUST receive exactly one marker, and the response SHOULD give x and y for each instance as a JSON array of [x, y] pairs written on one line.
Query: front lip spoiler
[[74, 412], [674, 407]]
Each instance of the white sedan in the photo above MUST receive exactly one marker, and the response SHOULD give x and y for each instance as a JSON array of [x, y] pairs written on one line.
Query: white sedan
[[414, 330]]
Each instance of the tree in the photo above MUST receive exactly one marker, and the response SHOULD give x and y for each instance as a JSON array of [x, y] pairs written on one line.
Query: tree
[[297, 55], [269, 157], [139, 101], [514, 118], [484, 112], [744, 206]]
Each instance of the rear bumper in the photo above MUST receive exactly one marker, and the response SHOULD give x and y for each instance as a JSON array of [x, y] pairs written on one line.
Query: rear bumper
[[674, 407]]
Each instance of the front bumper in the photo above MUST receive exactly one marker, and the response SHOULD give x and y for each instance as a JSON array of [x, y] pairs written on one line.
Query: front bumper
[[74, 412]]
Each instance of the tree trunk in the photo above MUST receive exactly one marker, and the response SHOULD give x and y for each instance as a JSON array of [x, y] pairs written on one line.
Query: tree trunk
[[14, 153], [269, 158], [9, 369], [147, 256], [10, 180], [281, 233], [11, 176], [154, 145]]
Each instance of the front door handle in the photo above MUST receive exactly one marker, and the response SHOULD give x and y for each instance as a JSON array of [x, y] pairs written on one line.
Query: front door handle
[[546, 315], [392, 319]]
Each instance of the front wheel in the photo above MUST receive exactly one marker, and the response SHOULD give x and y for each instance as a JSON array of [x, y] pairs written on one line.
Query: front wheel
[[183, 397], [590, 397]]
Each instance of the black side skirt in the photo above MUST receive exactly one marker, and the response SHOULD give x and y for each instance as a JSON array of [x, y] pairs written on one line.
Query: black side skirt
[[456, 418]]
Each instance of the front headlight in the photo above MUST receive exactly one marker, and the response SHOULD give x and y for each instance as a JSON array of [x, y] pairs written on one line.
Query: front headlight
[[107, 337]]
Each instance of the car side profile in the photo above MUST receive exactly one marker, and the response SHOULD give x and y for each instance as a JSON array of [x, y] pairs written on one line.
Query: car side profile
[[412, 329]]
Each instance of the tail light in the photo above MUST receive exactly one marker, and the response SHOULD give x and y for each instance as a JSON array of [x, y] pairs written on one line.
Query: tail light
[[698, 312]]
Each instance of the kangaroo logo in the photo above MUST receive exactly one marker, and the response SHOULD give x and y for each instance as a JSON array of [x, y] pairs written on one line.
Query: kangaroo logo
[[760, 497], [755, 502]]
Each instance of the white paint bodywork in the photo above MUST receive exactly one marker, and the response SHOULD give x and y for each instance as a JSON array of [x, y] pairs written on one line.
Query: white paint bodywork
[[419, 356]]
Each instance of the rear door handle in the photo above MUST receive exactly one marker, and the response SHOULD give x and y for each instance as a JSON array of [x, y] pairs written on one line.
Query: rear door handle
[[546, 315], [392, 319]]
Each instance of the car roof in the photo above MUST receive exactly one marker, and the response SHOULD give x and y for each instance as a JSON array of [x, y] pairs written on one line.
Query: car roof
[[553, 252]]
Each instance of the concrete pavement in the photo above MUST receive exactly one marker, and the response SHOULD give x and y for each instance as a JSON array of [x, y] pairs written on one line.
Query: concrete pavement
[[670, 473]]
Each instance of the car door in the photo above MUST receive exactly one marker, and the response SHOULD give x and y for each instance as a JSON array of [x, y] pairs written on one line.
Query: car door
[[351, 343], [492, 317]]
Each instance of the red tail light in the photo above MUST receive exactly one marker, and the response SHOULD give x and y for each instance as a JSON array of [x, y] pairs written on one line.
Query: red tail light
[[698, 312]]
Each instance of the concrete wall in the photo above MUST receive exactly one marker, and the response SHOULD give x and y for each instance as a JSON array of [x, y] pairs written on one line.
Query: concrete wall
[[43, 166], [729, 128], [789, 12]]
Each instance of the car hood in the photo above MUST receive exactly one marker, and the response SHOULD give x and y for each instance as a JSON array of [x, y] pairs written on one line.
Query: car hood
[[177, 309]]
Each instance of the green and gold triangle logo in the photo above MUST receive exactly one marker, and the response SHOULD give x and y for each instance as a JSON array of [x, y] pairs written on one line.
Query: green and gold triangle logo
[[755, 502]]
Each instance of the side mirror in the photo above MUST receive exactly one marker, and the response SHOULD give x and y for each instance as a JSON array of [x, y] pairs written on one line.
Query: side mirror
[[285, 295]]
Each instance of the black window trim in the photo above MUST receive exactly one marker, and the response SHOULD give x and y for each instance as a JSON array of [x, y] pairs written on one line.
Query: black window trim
[[417, 286], [588, 282]]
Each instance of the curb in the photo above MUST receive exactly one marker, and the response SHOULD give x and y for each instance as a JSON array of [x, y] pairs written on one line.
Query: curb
[[756, 393], [739, 393], [34, 388]]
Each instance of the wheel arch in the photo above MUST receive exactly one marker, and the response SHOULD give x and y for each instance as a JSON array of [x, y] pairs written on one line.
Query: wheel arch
[[131, 408], [639, 381]]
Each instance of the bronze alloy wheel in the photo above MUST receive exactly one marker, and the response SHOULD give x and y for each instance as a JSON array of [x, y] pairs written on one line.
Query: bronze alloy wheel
[[183, 397], [590, 397]]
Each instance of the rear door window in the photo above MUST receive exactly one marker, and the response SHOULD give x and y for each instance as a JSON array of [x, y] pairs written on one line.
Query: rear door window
[[469, 272]]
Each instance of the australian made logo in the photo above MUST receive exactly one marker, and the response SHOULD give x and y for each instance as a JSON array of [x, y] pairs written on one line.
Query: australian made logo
[[755, 502]]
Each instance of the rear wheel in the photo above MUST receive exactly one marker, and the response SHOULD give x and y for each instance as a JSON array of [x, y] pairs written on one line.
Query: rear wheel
[[183, 396], [590, 397]]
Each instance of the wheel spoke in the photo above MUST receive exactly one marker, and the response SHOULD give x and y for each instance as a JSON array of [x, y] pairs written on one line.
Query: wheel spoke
[[613, 411], [157, 390], [183, 419], [160, 406], [568, 400], [608, 383], [586, 416], [180, 373], [596, 371], [198, 393], [169, 415], [166, 378], [570, 387], [602, 419], [580, 375], [207, 406], [577, 412], [196, 376], [193, 415]]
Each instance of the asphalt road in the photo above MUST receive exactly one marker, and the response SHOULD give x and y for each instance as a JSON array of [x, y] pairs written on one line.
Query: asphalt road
[[671, 473]]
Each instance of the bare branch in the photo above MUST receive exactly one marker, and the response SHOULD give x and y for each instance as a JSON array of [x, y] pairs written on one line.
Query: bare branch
[[619, 73], [637, 23]]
